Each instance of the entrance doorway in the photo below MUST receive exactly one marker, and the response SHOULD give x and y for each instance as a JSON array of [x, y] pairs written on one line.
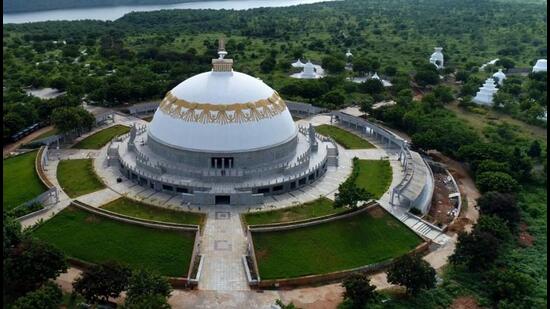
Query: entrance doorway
[[223, 199]]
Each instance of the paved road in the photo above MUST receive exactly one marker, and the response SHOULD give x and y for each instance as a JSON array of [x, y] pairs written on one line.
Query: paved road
[[12, 147]]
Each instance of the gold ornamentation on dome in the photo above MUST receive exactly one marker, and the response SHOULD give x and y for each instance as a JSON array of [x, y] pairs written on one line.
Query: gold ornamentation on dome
[[222, 113]]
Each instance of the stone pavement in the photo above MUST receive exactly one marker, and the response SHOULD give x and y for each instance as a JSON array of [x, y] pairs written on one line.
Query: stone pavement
[[223, 245]]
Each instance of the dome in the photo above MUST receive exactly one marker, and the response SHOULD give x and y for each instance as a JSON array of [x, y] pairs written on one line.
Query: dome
[[540, 66], [222, 112], [500, 76]]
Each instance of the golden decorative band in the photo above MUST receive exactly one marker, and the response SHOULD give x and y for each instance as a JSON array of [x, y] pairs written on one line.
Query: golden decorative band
[[222, 113]]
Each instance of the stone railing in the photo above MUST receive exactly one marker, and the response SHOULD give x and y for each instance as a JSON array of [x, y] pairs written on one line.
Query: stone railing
[[284, 179]]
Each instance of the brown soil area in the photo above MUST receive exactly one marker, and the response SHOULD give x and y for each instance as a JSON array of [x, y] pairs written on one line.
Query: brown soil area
[[465, 302], [441, 204], [466, 187], [525, 239], [376, 212]]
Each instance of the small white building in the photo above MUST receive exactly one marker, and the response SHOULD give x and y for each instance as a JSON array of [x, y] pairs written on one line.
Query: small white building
[[486, 92], [499, 77], [309, 71], [540, 66], [349, 54], [437, 58], [298, 64]]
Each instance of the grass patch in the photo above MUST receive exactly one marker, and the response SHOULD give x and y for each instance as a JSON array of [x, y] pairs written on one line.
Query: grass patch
[[48, 133], [367, 238], [375, 176], [96, 239], [135, 209], [317, 208], [101, 138], [346, 139], [77, 177], [20, 181]]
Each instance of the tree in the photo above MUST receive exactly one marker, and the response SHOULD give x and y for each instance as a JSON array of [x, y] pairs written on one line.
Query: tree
[[492, 166], [413, 272], [477, 250], [535, 149], [148, 301], [443, 93], [333, 65], [11, 231], [426, 75], [349, 194], [510, 287], [505, 63], [29, 264], [501, 205], [495, 226], [67, 119], [335, 97], [268, 64], [102, 281], [359, 291], [496, 181], [144, 287], [372, 86], [49, 296]]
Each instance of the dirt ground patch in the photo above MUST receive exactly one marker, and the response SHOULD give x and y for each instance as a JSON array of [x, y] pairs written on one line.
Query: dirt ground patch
[[525, 239], [459, 225], [465, 302], [376, 212], [92, 219]]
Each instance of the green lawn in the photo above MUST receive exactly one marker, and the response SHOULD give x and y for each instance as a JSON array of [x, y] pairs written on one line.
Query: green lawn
[[101, 138], [338, 245], [316, 208], [346, 139], [97, 239], [149, 212], [374, 175], [20, 181], [77, 177]]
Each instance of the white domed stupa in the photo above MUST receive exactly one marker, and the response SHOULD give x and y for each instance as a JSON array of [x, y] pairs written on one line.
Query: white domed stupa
[[437, 57], [540, 66], [486, 92], [500, 77], [221, 137]]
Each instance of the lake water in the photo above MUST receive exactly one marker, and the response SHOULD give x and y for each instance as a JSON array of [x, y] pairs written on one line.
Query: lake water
[[115, 12]]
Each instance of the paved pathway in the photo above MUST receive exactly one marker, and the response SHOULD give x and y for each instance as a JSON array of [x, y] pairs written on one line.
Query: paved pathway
[[223, 245]]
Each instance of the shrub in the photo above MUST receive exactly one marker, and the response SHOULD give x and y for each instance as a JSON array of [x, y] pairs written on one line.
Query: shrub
[[497, 181]]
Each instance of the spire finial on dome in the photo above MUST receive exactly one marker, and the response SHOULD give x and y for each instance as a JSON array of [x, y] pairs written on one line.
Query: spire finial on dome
[[221, 64], [221, 48]]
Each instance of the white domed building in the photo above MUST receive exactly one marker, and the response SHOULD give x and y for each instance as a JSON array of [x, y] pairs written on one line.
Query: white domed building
[[222, 137], [540, 66]]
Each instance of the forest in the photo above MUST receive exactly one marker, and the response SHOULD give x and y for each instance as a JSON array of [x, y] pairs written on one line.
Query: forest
[[143, 55]]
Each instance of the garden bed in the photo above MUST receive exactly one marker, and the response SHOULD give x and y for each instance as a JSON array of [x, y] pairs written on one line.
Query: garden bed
[[347, 139], [101, 138], [369, 237], [97, 239], [20, 180], [317, 208], [139, 210], [77, 177]]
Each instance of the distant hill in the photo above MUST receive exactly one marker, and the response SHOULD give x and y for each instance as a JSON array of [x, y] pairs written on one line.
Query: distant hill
[[14, 6]]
